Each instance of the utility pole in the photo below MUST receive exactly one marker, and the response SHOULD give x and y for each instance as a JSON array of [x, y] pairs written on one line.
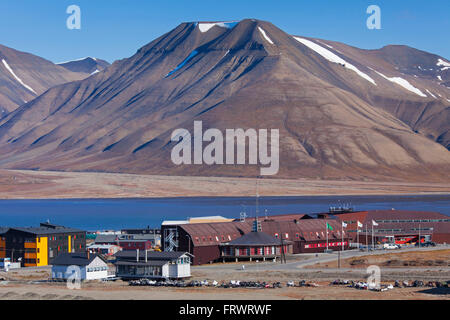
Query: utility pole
[[420, 240], [339, 259], [367, 240]]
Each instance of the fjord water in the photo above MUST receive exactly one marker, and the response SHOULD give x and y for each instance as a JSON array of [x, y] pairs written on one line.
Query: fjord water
[[100, 214]]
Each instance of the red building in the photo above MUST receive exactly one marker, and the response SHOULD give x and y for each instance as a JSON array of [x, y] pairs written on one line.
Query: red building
[[400, 226], [204, 240]]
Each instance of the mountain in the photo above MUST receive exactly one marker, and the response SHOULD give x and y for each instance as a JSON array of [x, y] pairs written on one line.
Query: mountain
[[342, 112], [24, 76], [86, 65]]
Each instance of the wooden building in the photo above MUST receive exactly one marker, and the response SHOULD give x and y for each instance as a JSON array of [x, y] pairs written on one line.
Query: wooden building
[[38, 246], [152, 265]]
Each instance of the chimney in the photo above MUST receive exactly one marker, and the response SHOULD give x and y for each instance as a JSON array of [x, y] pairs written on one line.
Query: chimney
[[137, 255]]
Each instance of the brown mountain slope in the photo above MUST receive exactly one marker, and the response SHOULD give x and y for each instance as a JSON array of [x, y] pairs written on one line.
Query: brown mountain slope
[[24, 76], [425, 71], [86, 65], [237, 75]]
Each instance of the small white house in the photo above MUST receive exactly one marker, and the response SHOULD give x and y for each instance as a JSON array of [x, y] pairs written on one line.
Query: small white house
[[152, 264], [6, 264], [88, 266]]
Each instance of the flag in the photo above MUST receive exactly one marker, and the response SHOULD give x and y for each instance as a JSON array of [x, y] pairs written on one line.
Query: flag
[[344, 225], [360, 225], [329, 227], [374, 223]]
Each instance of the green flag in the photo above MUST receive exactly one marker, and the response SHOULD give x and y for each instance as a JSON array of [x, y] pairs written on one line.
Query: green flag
[[329, 227]]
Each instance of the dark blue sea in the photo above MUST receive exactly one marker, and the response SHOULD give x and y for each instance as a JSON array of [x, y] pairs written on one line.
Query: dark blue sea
[[101, 214]]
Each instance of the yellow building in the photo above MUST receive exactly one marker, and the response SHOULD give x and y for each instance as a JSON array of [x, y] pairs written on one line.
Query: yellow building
[[39, 246]]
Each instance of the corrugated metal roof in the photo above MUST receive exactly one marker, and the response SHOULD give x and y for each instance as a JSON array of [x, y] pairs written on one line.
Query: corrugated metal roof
[[290, 216], [207, 234], [362, 216], [255, 239]]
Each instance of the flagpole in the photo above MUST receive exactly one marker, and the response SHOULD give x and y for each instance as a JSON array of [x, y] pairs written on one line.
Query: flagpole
[[357, 233], [342, 237], [326, 229], [367, 240], [372, 235]]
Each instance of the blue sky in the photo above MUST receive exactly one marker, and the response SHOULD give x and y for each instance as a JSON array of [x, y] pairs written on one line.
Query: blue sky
[[115, 29]]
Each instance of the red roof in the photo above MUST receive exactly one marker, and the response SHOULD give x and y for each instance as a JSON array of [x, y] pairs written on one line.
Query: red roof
[[206, 234]]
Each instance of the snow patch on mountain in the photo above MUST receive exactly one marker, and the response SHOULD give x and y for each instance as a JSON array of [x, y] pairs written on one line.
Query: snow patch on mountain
[[431, 94], [330, 56], [16, 77], [204, 27], [182, 64], [265, 35], [405, 84], [96, 71], [444, 64], [80, 59]]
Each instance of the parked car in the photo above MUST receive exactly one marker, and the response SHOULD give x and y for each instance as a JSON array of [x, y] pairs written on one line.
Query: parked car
[[391, 246]]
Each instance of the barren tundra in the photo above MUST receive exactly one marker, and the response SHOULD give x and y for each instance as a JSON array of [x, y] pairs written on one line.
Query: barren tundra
[[17, 184]]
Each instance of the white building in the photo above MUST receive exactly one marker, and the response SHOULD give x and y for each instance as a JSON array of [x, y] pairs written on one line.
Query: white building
[[6, 264], [153, 264], [88, 266]]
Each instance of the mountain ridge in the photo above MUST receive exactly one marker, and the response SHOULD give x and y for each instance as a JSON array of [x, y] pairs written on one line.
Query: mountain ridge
[[334, 122]]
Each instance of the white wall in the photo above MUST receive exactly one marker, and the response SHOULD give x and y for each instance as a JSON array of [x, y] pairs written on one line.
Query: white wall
[[97, 270]]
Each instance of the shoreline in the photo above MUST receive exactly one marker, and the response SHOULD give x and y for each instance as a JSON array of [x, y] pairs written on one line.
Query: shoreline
[[271, 197], [52, 185]]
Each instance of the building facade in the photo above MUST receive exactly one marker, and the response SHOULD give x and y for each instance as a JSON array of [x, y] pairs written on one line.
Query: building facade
[[204, 240], [87, 266], [152, 265], [255, 245], [399, 226], [38, 246]]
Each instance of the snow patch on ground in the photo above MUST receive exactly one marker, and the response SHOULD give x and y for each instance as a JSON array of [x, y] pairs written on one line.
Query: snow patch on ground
[[440, 78], [16, 77], [181, 65], [265, 35], [204, 27], [405, 84], [96, 71], [330, 56]]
